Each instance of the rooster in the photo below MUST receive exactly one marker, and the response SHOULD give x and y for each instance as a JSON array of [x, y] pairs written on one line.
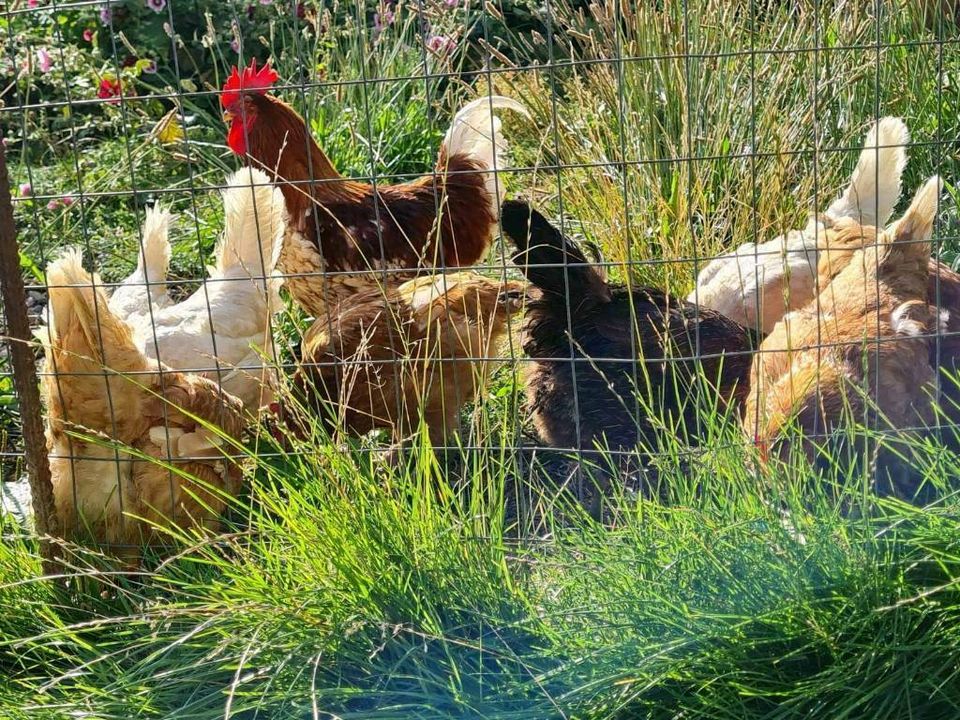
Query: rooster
[[341, 226], [597, 346], [111, 409], [861, 349], [421, 349], [223, 329]]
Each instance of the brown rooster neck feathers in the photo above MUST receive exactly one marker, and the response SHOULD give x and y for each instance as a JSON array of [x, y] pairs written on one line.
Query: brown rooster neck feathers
[[418, 349], [597, 347]]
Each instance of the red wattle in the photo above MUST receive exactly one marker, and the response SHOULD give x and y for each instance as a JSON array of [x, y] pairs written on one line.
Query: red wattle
[[236, 137]]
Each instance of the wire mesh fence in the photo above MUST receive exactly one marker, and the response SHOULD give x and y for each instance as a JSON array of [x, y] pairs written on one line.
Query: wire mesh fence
[[559, 228]]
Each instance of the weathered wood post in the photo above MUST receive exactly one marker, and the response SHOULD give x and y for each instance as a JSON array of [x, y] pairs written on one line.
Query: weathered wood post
[[25, 374]]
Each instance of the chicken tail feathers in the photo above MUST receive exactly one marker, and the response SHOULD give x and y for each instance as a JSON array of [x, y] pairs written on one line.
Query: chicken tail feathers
[[80, 321], [874, 187], [255, 220], [548, 259], [475, 133], [154, 261], [909, 237]]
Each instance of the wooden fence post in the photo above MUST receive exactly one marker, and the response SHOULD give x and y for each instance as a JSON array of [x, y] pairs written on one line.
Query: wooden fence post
[[25, 375]]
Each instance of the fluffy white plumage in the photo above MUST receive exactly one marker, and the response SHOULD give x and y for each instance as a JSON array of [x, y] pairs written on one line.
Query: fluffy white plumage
[[144, 291], [222, 331], [756, 285]]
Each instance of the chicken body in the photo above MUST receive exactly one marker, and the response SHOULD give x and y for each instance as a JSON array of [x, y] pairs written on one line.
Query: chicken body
[[756, 285], [222, 331], [860, 351], [339, 226], [598, 347], [100, 385], [422, 349]]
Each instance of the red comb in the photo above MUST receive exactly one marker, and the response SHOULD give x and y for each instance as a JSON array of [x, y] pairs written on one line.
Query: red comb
[[250, 80]]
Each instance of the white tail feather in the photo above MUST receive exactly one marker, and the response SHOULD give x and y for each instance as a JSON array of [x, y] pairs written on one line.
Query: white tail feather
[[155, 258], [475, 132], [144, 290], [255, 222], [875, 182]]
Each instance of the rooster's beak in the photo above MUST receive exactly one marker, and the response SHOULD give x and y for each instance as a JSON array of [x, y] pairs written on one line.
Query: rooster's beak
[[227, 117]]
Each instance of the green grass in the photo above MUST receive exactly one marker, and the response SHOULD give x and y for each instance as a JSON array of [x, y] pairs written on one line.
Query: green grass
[[344, 586]]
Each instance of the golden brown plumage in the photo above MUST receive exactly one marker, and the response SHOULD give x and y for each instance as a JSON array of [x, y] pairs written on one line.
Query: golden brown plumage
[[339, 225], [98, 384], [862, 346], [421, 348]]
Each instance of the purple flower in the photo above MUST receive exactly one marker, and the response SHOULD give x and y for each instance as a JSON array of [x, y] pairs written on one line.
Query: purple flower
[[441, 44], [67, 200], [43, 61], [106, 14], [151, 68], [53, 204], [382, 20], [26, 190], [157, 6], [235, 46], [451, 3]]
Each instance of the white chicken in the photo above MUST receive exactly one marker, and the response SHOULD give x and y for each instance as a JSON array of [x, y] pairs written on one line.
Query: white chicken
[[222, 331], [756, 285]]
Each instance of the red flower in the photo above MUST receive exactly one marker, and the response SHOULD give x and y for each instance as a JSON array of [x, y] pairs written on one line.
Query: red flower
[[109, 88]]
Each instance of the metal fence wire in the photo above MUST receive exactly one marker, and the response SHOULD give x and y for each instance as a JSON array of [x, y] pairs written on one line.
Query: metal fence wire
[[599, 236]]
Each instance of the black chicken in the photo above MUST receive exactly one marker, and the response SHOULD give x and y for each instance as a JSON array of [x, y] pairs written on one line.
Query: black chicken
[[608, 360]]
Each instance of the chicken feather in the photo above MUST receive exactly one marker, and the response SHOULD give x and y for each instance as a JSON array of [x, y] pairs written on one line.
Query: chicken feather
[[861, 349], [223, 329], [111, 409], [419, 349]]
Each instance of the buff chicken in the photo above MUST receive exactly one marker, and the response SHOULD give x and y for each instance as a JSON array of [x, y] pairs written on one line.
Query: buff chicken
[[860, 350], [419, 350], [344, 234], [609, 359], [112, 410], [223, 329]]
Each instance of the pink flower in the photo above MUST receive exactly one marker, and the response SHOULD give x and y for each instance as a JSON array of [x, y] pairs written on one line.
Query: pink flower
[[382, 20], [157, 6], [32, 3], [441, 44], [44, 62], [88, 35], [109, 88], [265, 2], [67, 200], [451, 3], [235, 46], [26, 190], [53, 204]]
